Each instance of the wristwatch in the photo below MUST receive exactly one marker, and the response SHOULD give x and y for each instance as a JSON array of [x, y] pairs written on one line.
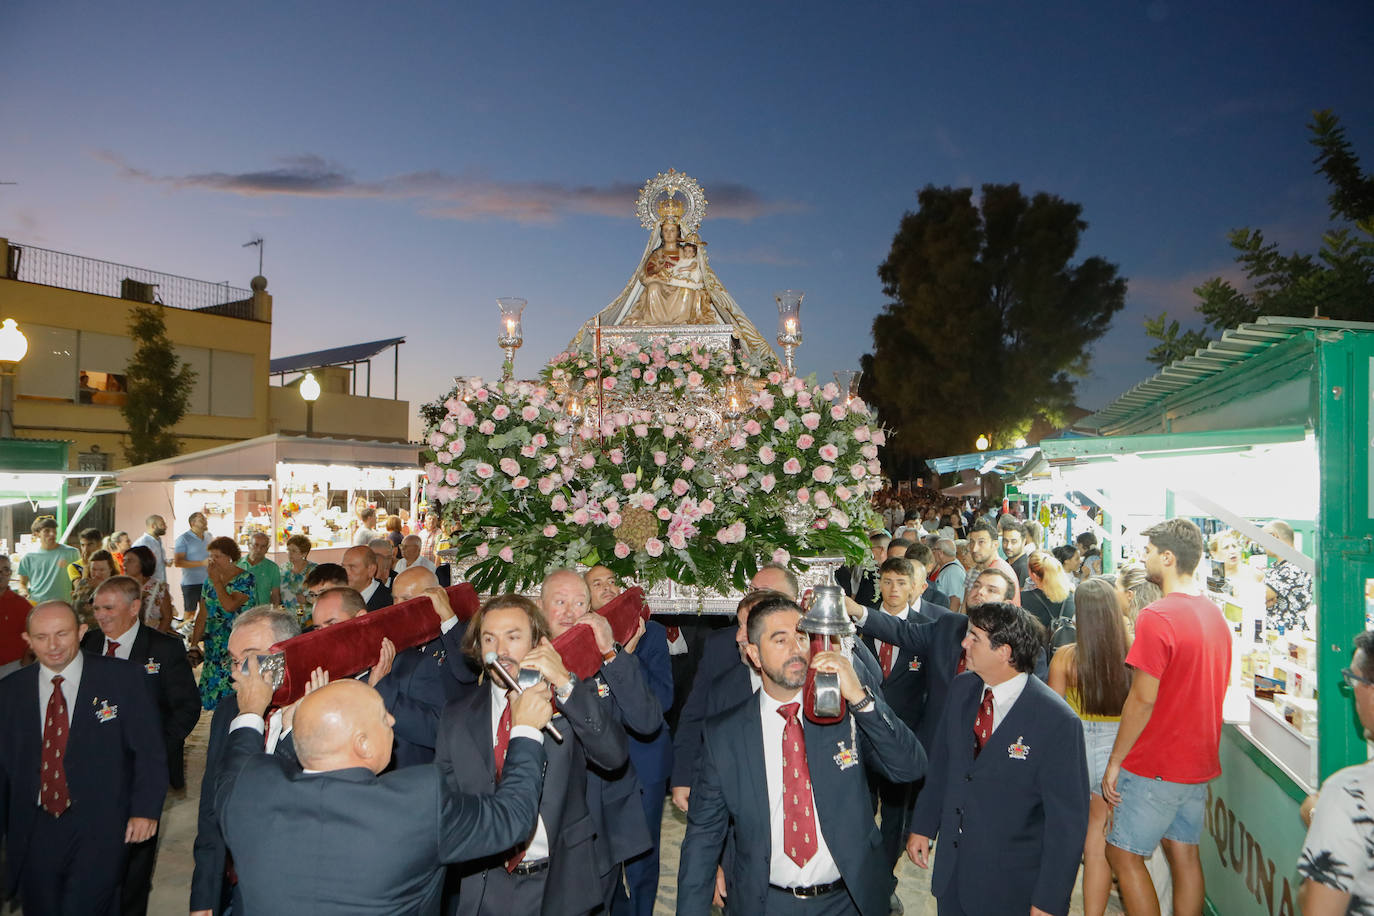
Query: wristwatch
[[608, 657], [863, 704], [562, 693]]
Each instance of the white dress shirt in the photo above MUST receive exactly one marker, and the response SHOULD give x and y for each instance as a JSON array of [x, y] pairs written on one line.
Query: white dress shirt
[[1004, 696], [371, 590], [538, 847], [125, 640], [401, 565], [70, 685], [782, 871]]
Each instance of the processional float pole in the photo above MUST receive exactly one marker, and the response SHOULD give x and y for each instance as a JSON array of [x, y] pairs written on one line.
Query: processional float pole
[[789, 324]]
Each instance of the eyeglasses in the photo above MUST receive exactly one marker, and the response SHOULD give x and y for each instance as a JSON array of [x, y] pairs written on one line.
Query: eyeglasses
[[1353, 680]]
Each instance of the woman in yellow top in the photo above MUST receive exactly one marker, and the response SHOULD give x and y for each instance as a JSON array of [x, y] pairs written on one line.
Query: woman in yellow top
[[1091, 675]]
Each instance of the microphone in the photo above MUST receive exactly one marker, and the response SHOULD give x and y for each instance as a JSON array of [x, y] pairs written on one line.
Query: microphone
[[490, 660]]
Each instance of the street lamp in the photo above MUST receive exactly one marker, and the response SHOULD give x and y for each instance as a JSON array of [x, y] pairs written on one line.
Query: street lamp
[[13, 346], [982, 443], [310, 390]]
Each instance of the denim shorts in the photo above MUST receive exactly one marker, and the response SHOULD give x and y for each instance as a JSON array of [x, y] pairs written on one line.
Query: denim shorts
[[1098, 738], [1152, 809]]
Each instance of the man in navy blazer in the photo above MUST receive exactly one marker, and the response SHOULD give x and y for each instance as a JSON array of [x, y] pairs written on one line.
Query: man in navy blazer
[[253, 632], [1007, 793], [385, 838], [161, 660], [651, 753], [559, 859], [823, 854], [113, 771]]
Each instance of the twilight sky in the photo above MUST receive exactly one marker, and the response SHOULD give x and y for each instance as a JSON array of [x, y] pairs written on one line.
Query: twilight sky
[[408, 163]]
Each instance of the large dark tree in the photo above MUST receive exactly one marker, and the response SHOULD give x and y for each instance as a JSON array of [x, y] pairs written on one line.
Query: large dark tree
[[990, 321], [1337, 282], [159, 388]]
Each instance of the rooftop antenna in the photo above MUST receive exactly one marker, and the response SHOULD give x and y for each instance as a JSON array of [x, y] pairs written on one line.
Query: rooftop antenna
[[258, 242]]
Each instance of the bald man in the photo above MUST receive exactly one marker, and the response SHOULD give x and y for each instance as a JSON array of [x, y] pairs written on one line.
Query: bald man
[[386, 838], [83, 769], [411, 557]]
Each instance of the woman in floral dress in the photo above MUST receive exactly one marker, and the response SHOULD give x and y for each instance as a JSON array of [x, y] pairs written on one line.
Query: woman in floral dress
[[293, 573], [227, 590]]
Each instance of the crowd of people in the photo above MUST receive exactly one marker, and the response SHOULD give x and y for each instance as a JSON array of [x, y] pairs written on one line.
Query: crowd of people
[[1003, 704]]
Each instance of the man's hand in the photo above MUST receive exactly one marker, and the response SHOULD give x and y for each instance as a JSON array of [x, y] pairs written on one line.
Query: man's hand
[[140, 829], [384, 660], [1109, 793], [439, 598], [834, 662], [719, 898], [854, 609], [680, 796], [639, 634], [918, 850], [534, 707], [605, 637], [253, 689], [545, 659]]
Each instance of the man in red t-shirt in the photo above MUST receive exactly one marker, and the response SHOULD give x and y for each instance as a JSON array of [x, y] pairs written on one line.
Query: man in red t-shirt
[[14, 615], [1166, 749]]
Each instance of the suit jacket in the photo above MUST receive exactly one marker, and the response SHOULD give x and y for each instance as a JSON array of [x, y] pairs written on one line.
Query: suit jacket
[[116, 766], [381, 597], [613, 795], [1022, 804], [931, 595], [377, 843], [867, 591], [417, 689], [652, 753], [731, 797], [465, 753], [168, 677], [905, 688]]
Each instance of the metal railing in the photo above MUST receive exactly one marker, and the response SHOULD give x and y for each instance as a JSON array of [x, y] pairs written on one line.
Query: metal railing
[[105, 278]]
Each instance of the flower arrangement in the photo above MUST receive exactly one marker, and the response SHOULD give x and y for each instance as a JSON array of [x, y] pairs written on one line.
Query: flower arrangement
[[660, 460]]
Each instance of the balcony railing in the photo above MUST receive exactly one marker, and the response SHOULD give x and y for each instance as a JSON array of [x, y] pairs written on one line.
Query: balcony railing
[[104, 278]]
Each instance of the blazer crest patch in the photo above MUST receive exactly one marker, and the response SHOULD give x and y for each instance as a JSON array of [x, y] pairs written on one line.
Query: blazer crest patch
[[106, 712], [152, 666], [603, 689], [1020, 750], [847, 757], [914, 665]]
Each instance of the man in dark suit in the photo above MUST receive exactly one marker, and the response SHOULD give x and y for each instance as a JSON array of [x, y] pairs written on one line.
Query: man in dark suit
[[822, 855], [651, 752], [161, 661], [83, 769], [551, 869], [900, 581], [1007, 793], [859, 583], [253, 632], [386, 837], [361, 565]]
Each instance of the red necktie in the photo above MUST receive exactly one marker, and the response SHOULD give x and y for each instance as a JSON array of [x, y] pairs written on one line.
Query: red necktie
[[982, 726], [673, 634], [798, 820], [110, 647], [885, 657], [963, 662], [502, 743], [53, 778]]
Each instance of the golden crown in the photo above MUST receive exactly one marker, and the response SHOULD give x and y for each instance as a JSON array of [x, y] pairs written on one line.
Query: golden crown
[[670, 207]]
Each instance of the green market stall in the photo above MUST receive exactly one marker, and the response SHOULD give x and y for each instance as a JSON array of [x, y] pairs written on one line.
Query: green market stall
[[1271, 421]]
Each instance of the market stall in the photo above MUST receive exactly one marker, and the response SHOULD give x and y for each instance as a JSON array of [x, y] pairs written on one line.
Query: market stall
[[284, 485], [1272, 422]]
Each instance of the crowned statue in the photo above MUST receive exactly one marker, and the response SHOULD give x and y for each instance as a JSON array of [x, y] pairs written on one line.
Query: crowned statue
[[674, 291]]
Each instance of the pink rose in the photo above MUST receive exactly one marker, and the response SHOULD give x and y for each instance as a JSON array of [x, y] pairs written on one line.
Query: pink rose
[[507, 554], [688, 463], [737, 441], [724, 535], [580, 517], [765, 401], [528, 451], [803, 399], [614, 519], [664, 513], [781, 424], [622, 550], [707, 507], [437, 440], [628, 481], [485, 470], [617, 456], [457, 447], [559, 503], [641, 430], [694, 379], [500, 412], [803, 495], [608, 382], [546, 485], [791, 466], [857, 471], [588, 461], [648, 501], [837, 412], [811, 420], [823, 473], [879, 437], [466, 417], [739, 471], [752, 428], [875, 468], [781, 557], [805, 440], [660, 458], [829, 452], [529, 414], [520, 482], [862, 434], [842, 493], [452, 476], [510, 467], [653, 547], [650, 376], [483, 550], [677, 540], [680, 487], [774, 378], [831, 391], [486, 427], [822, 500], [434, 473], [550, 531], [767, 482]]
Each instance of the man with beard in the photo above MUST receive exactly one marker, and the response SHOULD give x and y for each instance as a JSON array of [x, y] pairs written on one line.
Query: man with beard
[[798, 849], [982, 546]]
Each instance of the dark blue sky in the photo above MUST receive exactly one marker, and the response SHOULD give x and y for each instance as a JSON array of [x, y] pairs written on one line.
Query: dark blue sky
[[408, 163]]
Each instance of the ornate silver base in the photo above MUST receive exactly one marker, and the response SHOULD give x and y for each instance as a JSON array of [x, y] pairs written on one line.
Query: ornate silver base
[[704, 336]]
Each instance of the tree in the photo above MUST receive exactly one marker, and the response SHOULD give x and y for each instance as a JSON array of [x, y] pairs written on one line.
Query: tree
[[990, 322], [1338, 282], [159, 389]]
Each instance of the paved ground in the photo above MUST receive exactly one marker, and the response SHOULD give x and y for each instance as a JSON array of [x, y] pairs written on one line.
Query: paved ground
[[171, 884]]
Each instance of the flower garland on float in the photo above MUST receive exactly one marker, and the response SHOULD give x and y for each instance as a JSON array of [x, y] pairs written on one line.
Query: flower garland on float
[[661, 461]]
